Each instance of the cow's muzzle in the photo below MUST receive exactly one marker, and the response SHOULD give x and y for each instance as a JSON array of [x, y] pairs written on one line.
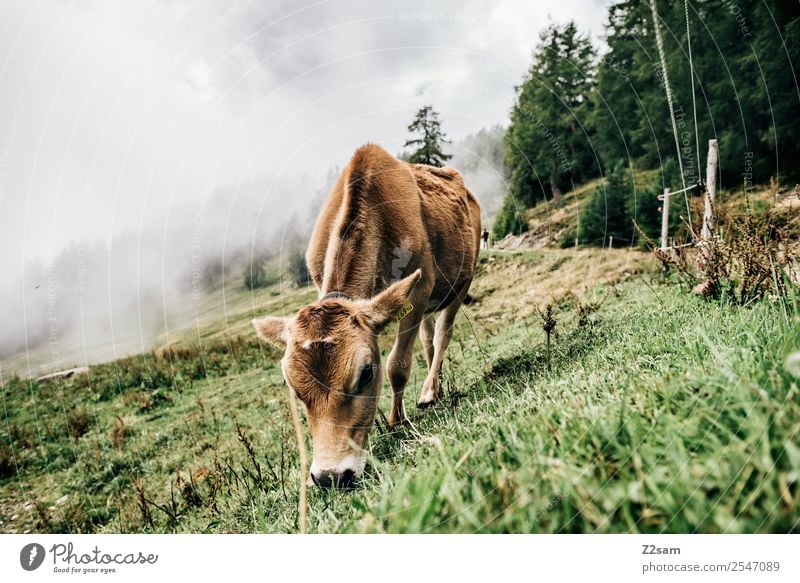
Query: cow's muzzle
[[340, 480]]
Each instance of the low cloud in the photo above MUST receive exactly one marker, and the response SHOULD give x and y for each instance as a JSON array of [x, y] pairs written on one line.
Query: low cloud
[[121, 123]]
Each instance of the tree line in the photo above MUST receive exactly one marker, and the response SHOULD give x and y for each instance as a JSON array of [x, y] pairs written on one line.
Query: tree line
[[582, 112]]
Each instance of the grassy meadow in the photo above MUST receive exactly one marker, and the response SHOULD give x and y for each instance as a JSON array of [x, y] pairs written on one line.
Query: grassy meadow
[[655, 411]]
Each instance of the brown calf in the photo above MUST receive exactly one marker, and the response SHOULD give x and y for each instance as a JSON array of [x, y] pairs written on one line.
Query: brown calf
[[393, 241]]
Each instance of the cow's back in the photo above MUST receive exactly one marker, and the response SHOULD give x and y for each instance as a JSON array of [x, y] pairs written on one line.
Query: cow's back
[[451, 216], [375, 205], [406, 216]]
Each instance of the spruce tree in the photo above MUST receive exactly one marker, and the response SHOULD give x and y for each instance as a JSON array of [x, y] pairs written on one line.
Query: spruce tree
[[606, 213], [547, 146], [428, 147], [745, 89], [510, 219]]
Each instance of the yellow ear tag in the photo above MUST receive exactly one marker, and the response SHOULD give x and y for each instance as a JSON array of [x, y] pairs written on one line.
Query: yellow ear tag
[[405, 311]]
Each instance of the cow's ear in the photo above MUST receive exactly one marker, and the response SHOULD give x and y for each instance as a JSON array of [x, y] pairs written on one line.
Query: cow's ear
[[386, 306], [273, 329]]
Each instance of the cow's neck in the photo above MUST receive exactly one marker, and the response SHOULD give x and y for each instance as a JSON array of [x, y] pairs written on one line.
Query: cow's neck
[[352, 255]]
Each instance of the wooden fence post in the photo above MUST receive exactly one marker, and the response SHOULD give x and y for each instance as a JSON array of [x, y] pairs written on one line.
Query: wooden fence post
[[665, 220], [711, 188]]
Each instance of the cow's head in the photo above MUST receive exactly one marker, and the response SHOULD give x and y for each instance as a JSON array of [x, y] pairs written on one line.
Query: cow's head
[[333, 363]]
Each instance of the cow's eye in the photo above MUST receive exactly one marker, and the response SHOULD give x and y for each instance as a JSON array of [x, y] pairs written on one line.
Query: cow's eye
[[365, 377]]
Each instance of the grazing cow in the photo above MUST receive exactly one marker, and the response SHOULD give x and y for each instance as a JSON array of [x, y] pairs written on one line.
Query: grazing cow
[[394, 242]]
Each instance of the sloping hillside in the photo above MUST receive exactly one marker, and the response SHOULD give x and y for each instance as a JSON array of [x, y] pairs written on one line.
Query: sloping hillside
[[654, 411], [548, 224]]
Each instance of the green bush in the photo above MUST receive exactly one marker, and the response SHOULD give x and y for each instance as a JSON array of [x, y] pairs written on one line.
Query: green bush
[[6, 462], [605, 214], [619, 201], [510, 219], [256, 274], [298, 270], [78, 422]]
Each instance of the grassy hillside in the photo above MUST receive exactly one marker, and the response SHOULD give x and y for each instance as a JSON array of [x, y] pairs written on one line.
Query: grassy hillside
[[658, 411], [214, 315], [548, 225]]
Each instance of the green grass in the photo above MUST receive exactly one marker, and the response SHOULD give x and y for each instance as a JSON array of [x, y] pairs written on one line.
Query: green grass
[[660, 412]]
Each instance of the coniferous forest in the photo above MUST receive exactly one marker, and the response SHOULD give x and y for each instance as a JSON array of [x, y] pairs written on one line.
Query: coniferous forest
[[585, 111]]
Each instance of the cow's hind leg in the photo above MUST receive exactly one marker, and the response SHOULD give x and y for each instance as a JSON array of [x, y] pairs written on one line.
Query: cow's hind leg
[[441, 338], [426, 337]]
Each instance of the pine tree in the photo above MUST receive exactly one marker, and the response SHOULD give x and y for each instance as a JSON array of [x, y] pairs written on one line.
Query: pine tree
[[746, 97], [606, 212], [547, 146], [298, 269], [622, 74], [745, 90], [429, 144], [510, 219]]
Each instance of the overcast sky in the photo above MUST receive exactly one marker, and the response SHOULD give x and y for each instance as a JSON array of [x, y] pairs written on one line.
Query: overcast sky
[[116, 113]]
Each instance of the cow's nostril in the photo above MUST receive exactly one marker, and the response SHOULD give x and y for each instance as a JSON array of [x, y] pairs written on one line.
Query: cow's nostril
[[343, 481], [346, 479], [323, 480]]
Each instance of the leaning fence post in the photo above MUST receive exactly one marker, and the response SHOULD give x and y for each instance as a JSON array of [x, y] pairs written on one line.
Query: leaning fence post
[[711, 188], [665, 220]]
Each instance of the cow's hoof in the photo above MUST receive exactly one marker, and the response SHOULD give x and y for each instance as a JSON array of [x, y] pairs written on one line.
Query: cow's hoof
[[426, 401], [427, 398]]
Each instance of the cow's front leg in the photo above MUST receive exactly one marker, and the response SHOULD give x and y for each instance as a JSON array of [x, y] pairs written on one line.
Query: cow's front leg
[[441, 338], [398, 365]]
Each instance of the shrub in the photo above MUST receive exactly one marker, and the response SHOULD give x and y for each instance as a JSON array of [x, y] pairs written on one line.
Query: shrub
[[78, 422], [298, 270], [605, 214], [256, 274], [6, 462], [510, 219], [616, 204], [120, 431], [748, 257], [568, 237]]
